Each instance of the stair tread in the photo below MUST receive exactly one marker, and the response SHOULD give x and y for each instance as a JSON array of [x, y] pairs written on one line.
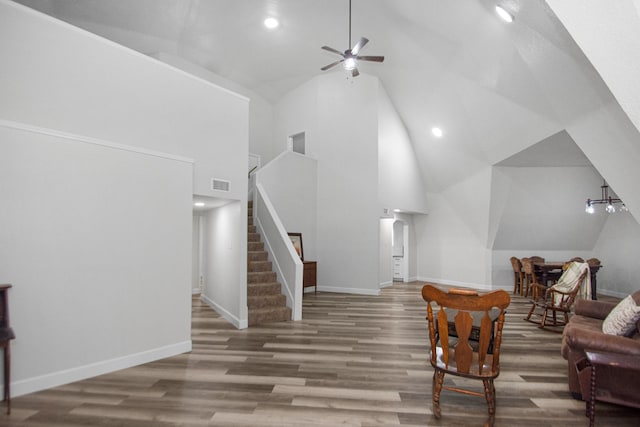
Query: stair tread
[[265, 301]]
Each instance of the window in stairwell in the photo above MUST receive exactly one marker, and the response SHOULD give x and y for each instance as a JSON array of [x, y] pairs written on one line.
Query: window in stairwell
[[296, 143]]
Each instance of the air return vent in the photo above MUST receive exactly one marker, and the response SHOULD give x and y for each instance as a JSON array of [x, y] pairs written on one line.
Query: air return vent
[[220, 184]]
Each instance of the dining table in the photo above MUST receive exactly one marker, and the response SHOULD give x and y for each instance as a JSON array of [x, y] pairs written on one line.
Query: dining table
[[552, 270]]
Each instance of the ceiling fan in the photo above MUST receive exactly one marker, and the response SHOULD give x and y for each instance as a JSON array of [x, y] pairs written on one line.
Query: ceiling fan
[[350, 57]]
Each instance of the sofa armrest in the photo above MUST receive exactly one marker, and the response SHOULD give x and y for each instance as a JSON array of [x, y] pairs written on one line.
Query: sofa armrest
[[585, 339], [594, 309]]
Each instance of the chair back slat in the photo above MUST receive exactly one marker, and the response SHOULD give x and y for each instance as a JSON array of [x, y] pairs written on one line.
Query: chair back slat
[[486, 327], [464, 352], [443, 333], [466, 305]]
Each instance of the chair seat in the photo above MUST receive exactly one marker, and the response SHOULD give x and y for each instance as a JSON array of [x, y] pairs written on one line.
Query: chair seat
[[474, 372], [6, 334]]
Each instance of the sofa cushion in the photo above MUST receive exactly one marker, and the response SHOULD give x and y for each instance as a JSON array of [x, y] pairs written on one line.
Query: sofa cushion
[[623, 318]]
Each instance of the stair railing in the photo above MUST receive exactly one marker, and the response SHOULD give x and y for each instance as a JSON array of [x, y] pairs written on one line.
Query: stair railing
[[286, 262]]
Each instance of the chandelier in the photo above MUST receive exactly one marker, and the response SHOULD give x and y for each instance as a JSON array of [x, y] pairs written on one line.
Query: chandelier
[[605, 199]]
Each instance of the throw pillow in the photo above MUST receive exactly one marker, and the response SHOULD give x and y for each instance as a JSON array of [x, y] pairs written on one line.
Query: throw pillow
[[623, 318]]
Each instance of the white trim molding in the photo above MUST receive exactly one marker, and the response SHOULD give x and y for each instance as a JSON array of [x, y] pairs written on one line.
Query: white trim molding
[[31, 385], [89, 140]]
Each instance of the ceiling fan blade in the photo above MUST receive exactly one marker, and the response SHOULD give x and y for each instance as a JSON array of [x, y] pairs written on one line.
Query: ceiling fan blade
[[363, 41], [332, 50], [355, 72], [371, 58], [326, 67]]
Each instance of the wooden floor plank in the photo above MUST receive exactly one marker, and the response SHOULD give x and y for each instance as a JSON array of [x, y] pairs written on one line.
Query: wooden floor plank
[[352, 361]]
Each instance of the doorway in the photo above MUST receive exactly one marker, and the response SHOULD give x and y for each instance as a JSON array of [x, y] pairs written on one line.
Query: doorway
[[400, 251]]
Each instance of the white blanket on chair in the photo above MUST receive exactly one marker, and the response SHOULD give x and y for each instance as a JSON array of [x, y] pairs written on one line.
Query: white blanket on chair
[[569, 280]]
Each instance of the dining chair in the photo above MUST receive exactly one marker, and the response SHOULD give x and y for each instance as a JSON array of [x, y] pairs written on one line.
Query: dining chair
[[593, 262], [517, 275], [536, 258], [456, 349], [558, 298], [528, 274]]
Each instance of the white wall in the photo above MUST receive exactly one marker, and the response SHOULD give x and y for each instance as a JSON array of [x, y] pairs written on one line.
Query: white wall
[[347, 151], [609, 35], [100, 262], [291, 182], [452, 238], [61, 77], [339, 118], [260, 110], [617, 249], [297, 112], [112, 251], [195, 254], [400, 184], [225, 283]]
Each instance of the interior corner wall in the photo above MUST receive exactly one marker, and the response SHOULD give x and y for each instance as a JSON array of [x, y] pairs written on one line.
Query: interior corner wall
[[452, 238], [555, 227], [347, 152], [400, 184], [339, 118], [222, 252], [617, 249], [100, 262]]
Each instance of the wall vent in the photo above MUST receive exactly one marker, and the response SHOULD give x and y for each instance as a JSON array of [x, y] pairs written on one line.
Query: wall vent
[[220, 184]]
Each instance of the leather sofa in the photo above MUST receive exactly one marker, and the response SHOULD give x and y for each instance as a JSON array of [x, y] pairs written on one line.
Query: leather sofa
[[584, 331]]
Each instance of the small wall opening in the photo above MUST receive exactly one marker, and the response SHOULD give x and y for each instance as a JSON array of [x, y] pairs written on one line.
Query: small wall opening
[[297, 143]]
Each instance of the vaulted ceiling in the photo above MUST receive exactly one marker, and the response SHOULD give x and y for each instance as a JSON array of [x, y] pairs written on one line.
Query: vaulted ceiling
[[454, 64]]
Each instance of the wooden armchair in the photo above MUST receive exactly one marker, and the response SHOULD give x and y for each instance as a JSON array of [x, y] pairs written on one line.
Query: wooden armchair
[[465, 316], [559, 297]]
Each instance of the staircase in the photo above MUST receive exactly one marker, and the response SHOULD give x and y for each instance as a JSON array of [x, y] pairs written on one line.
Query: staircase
[[264, 297]]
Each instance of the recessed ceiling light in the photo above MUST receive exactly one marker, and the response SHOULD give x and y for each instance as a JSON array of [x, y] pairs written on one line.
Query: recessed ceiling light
[[199, 204], [502, 12], [271, 23], [437, 132]]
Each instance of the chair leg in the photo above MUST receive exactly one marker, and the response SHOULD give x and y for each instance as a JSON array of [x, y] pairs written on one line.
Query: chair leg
[[490, 396], [533, 307], [438, 379], [7, 377], [544, 319]]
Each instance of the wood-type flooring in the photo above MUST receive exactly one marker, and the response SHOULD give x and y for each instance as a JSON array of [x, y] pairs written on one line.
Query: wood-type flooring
[[352, 361]]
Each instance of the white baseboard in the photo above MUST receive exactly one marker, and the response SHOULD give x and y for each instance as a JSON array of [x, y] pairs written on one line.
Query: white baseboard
[[234, 320], [356, 291], [615, 294], [482, 287], [387, 284], [43, 382]]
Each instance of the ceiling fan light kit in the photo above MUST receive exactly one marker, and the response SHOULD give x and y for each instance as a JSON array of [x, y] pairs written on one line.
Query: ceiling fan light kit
[[350, 56]]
